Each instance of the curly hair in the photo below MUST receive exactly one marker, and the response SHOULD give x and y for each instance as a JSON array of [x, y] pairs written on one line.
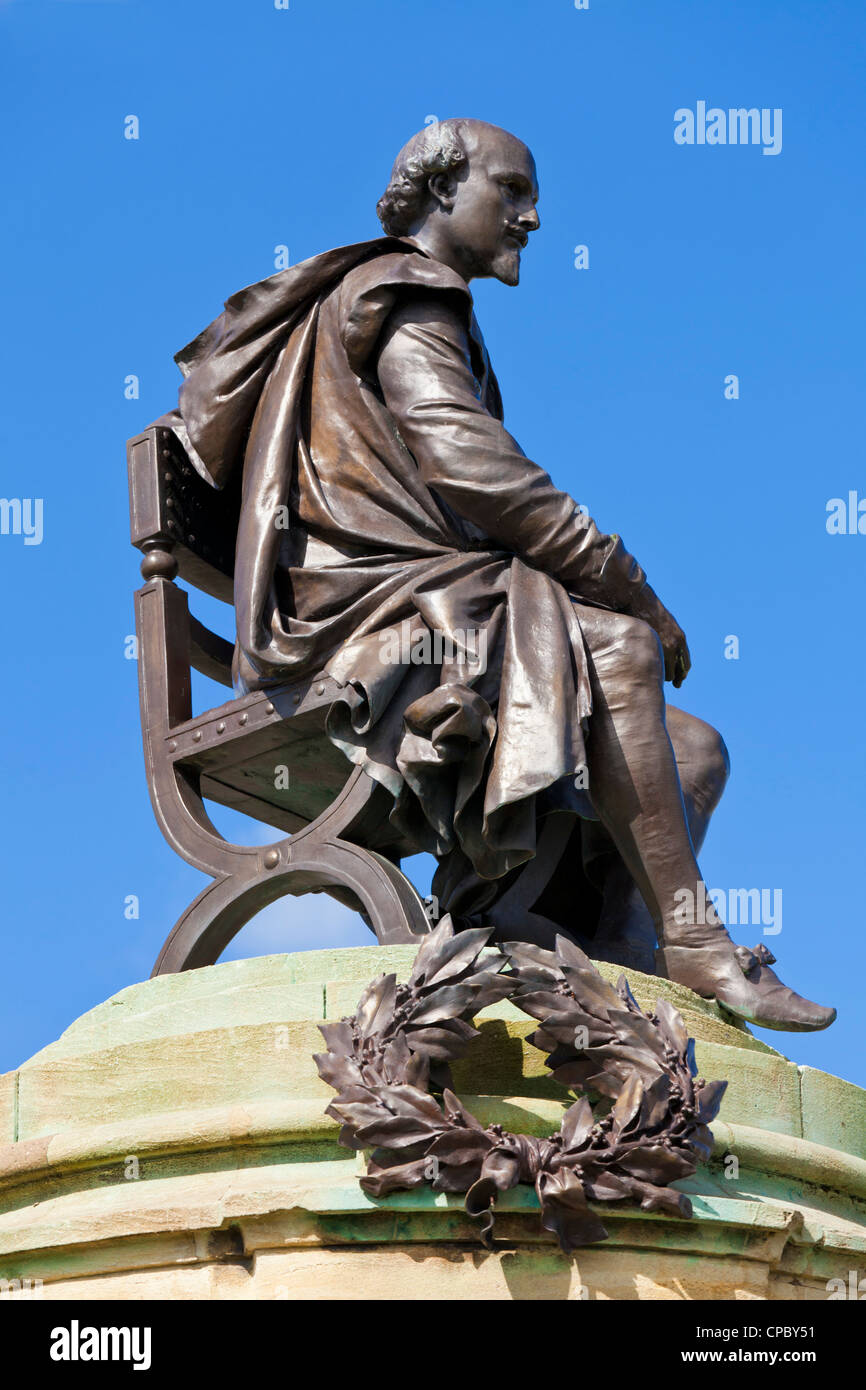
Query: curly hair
[[437, 149]]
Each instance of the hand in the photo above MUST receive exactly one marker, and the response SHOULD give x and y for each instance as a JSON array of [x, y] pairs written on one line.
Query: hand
[[649, 607]]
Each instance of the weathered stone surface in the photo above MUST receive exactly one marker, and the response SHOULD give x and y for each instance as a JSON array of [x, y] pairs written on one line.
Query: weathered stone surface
[[238, 1189], [216, 1066], [131, 1017], [763, 1088], [8, 1107], [834, 1111]]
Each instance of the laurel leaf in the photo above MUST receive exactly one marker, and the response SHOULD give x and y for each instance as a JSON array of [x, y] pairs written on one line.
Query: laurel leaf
[[490, 990], [360, 1113], [337, 1071], [701, 1143], [708, 1100], [453, 956], [461, 1146], [627, 1105], [375, 1009], [395, 1058], [417, 1071], [366, 1095], [671, 1027], [577, 1123], [339, 1037], [596, 996], [407, 1100], [657, 1165], [625, 994], [538, 1003], [379, 1182], [568, 953], [453, 1106], [524, 955], [442, 1043], [395, 1131], [635, 1030], [656, 1102], [429, 950], [447, 1002], [603, 1184]]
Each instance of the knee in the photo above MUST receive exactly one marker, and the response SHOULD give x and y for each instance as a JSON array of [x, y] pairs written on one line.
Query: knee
[[714, 757], [639, 656], [702, 751]]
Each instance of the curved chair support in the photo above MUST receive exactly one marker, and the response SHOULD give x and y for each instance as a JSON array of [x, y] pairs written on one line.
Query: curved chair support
[[392, 906], [321, 856]]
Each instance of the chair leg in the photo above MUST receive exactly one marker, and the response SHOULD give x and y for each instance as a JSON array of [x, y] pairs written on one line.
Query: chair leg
[[393, 908], [324, 854]]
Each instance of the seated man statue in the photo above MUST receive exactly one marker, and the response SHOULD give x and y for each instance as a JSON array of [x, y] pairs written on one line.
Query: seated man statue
[[501, 659]]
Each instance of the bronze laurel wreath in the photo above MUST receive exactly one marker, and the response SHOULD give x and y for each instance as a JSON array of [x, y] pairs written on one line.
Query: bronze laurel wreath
[[649, 1127]]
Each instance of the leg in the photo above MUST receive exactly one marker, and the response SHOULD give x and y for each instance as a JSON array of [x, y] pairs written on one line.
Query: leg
[[626, 933], [636, 791]]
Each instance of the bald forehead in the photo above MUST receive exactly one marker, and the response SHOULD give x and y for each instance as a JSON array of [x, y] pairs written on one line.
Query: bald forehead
[[501, 151]]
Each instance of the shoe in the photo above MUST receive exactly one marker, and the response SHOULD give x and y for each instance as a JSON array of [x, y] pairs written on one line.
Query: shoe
[[743, 983]]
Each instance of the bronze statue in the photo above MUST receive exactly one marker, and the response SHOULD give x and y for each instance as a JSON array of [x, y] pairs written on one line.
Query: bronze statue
[[349, 405]]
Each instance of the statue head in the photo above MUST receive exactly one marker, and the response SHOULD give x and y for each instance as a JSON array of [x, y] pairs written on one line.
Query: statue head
[[466, 191]]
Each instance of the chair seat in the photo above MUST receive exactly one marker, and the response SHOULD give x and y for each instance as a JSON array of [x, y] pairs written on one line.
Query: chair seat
[[267, 755]]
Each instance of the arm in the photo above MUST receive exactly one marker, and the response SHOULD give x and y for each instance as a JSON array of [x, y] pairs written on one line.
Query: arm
[[479, 470]]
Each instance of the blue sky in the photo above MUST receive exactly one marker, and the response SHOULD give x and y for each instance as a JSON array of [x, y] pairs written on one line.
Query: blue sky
[[262, 127]]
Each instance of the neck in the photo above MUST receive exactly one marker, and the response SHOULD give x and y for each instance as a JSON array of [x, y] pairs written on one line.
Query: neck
[[433, 240]]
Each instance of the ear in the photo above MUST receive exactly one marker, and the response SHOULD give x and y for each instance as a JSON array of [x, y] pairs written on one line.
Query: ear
[[443, 189]]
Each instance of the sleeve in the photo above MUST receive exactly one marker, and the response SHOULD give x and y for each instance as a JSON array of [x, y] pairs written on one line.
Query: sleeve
[[471, 461]]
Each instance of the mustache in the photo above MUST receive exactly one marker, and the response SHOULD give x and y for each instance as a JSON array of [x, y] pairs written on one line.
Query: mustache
[[519, 234]]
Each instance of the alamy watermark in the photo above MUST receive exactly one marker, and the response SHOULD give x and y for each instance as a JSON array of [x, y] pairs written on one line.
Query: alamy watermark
[[846, 516], [77, 1343], [21, 1289], [735, 906], [22, 516], [423, 646], [854, 1289], [735, 126]]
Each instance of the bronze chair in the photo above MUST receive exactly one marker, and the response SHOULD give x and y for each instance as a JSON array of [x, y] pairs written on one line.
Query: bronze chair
[[338, 839]]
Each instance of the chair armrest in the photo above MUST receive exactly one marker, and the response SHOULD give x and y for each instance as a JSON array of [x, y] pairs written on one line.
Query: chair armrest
[[209, 653]]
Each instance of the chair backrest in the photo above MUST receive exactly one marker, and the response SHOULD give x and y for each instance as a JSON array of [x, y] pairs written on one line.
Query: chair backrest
[[171, 505]]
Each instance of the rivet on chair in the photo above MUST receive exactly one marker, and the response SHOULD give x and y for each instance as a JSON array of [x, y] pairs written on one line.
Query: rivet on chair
[[172, 747], [243, 719], [196, 738], [320, 689], [271, 859], [296, 699], [221, 728], [269, 709]]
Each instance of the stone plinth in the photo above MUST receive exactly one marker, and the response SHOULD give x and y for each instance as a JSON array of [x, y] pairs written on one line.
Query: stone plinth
[[172, 1144]]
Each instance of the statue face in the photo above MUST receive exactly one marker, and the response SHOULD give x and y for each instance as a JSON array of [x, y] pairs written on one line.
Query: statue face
[[493, 208]]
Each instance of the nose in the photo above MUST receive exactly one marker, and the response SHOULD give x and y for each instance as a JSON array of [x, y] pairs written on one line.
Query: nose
[[529, 221]]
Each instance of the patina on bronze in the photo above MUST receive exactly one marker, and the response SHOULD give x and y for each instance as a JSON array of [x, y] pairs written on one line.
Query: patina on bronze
[[347, 412], [390, 1066]]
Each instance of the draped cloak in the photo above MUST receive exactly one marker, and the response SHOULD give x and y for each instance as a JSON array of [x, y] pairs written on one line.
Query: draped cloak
[[422, 519]]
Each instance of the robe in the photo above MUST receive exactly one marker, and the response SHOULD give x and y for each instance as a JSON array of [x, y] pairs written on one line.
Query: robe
[[356, 394]]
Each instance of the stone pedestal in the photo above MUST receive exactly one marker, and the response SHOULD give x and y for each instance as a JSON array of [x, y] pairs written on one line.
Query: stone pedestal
[[172, 1144]]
